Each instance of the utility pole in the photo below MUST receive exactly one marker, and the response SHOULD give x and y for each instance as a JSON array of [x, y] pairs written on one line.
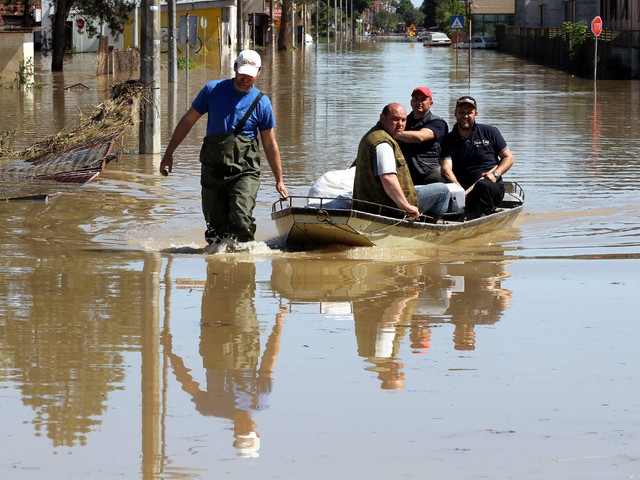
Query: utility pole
[[328, 28], [149, 133], [272, 29], [136, 39], [469, 2], [293, 24], [172, 57], [240, 26]]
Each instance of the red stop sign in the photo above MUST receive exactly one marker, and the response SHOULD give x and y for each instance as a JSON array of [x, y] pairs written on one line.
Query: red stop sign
[[596, 26], [80, 23]]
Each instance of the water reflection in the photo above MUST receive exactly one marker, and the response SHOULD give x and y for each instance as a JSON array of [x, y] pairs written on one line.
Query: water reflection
[[238, 371], [379, 328], [482, 301], [396, 306], [64, 335]]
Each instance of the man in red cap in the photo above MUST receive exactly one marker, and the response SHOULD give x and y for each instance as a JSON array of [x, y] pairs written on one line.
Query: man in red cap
[[421, 139]]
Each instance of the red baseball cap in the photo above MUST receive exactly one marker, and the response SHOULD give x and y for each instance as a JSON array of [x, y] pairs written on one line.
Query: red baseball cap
[[423, 90]]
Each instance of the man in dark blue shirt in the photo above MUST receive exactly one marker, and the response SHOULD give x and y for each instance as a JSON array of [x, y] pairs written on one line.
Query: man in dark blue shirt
[[475, 156], [421, 139]]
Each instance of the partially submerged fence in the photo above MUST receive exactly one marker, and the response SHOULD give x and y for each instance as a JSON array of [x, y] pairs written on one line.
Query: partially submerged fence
[[618, 51]]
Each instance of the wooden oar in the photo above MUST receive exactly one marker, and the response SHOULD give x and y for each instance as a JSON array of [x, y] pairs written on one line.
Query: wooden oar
[[474, 183]]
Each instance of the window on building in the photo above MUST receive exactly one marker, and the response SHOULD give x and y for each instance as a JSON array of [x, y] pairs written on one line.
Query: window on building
[[543, 15], [613, 9], [570, 11]]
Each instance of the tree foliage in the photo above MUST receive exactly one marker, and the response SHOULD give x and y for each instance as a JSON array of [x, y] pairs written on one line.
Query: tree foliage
[[445, 9], [386, 21], [428, 8], [410, 15], [438, 12], [112, 14], [576, 34], [324, 18]]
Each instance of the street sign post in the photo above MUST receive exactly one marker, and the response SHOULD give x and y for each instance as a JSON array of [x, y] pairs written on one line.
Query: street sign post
[[456, 22], [596, 28]]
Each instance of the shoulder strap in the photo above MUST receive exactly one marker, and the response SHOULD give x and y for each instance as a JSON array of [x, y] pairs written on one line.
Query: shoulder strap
[[240, 126]]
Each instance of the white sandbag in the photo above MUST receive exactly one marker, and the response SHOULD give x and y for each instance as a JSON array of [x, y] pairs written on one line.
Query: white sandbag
[[336, 184], [456, 204]]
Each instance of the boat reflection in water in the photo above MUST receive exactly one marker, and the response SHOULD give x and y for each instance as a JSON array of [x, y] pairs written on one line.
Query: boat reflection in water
[[238, 372], [393, 305]]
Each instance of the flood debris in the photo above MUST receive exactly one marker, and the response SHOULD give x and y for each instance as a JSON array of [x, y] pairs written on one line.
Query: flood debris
[[39, 197], [78, 154]]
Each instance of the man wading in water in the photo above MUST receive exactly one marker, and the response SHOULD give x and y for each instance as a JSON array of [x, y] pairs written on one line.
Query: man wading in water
[[230, 157]]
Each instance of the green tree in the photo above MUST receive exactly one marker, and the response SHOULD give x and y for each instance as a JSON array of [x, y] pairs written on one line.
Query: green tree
[[447, 8], [359, 6], [428, 8], [284, 34], [386, 21], [576, 34], [112, 14], [410, 14], [438, 12]]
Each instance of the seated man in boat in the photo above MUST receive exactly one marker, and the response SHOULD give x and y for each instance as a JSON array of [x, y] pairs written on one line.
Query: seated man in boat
[[382, 175], [475, 156], [420, 142]]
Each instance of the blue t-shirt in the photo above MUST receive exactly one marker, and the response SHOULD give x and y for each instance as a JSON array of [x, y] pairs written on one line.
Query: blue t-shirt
[[226, 106], [473, 156]]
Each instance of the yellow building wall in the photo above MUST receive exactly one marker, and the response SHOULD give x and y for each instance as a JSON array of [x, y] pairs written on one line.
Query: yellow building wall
[[209, 37]]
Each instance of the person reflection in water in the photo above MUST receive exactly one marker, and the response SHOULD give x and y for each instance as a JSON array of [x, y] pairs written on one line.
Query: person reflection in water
[[482, 302], [380, 325], [239, 379]]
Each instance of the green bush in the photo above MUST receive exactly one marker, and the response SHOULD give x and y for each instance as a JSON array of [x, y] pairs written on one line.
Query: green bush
[[182, 64]]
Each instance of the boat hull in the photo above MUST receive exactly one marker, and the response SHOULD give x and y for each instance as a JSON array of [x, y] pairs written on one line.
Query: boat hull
[[303, 227]]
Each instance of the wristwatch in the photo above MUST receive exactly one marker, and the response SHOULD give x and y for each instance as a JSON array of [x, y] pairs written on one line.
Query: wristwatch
[[496, 174]]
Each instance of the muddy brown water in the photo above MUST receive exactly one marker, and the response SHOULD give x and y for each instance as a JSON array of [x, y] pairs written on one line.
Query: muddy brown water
[[512, 355]]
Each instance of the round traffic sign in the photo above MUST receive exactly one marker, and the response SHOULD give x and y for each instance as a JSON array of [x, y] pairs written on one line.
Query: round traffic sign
[[596, 26], [80, 23]]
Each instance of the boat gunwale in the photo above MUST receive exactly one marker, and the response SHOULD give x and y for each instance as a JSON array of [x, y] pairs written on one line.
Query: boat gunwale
[[422, 223], [289, 215]]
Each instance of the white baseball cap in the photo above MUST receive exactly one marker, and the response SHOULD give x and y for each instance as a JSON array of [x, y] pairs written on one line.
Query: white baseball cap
[[248, 62]]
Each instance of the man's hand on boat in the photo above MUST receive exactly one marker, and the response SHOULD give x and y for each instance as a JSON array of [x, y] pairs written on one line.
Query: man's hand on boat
[[393, 189], [412, 212], [282, 190]]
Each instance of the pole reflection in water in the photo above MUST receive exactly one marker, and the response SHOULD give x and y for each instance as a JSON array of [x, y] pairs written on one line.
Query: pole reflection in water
[[238, 372]]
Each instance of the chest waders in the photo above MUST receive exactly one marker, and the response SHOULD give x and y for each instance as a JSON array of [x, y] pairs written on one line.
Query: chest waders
[[230, 178]]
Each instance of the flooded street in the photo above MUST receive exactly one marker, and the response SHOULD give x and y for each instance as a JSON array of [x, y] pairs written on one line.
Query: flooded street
[[512, 355]]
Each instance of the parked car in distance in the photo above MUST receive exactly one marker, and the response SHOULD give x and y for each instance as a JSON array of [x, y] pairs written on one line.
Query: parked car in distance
[[436, 39], [488, 43]]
